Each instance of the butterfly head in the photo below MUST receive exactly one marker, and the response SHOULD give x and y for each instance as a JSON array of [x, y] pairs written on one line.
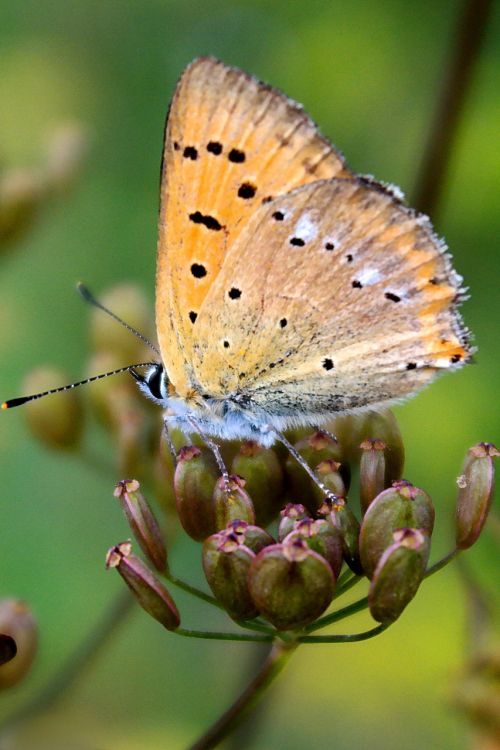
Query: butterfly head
[[154, 384]]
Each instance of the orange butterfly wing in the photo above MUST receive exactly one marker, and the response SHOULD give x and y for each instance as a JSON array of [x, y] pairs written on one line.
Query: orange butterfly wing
[[231, 144]]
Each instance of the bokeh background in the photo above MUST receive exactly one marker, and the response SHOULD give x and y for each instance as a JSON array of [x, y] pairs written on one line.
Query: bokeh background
[[369, 73]]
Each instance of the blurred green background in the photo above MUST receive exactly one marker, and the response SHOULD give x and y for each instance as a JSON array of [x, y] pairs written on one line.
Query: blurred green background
[[368, 72]]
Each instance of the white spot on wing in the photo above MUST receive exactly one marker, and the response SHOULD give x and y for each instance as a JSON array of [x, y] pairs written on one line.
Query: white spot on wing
[[368, 276], [305, 228]]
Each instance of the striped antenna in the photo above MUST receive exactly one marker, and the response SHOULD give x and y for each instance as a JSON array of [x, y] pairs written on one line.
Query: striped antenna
[[24, 399], [89, 297]]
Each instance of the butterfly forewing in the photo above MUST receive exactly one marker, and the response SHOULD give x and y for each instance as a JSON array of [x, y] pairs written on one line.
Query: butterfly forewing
[[332, 297], [232, 144]]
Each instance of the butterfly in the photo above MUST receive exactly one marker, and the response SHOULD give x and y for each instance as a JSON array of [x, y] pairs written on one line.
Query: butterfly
[[289, 289]]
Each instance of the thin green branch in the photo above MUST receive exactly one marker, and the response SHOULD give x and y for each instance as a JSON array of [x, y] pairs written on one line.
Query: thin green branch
[[441, 563], [350, 638], [198, 593], [346, 585], [217, 636], [340, 614]]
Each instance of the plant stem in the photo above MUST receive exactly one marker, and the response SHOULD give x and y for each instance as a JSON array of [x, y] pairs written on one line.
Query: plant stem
[[340, 614], [212, 635], [344, 586], [193, 590], [349, 638], [470, 33], [271, 667], [441, 563]]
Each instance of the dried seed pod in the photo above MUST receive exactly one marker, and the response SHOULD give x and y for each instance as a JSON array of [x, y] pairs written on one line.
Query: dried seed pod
[[401, 506], [345, 522], [320, 536], [232, 503], [142, 521], [145, 586], [398, 574], [194, 482], [17, 622], [317, 447], [371, 471], [291, 513], [263, 475], [290, 584], [57, 422], [226, 562], [476, 486]]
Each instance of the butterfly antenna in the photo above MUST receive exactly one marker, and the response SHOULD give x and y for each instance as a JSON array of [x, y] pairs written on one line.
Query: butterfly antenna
[[24, 399], [89, 297]]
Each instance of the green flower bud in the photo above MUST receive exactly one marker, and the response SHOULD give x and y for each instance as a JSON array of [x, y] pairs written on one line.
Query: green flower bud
[[251, 536], [330, 474], [8, 649], [314, 449], [195, 477], [352, 430], [145, 586], [320, 536], [401, 506], [398, 574], [476, 485], [290, 584], [142, 522], [371, 471], [263, 475], [21, 194], [18, 623], [130, 303], [345, 522], [57, 421], [226, 562], [291, 513], [232, 503]]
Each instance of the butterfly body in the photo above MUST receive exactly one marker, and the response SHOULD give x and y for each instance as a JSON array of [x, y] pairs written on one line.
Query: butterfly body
[[289, 289]]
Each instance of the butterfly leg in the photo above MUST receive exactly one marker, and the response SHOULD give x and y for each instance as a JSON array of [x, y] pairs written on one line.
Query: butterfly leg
[[296, 455], [169, 442], [215, 450]]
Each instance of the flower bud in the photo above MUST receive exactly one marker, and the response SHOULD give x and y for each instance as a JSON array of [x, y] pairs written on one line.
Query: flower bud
[[290, 584], [314, 449], [232, 502], [226, 562], [18, 623], [129, 303], [56, 421], [476, 484], [263, 475], [398, 574], [321, 536], [345, 522], [291, 513], [147, 589], [251, 536], [142, 522], [194, 482], [401, 506], [371, 471], [329, 473], [352, 430], [21, 194]]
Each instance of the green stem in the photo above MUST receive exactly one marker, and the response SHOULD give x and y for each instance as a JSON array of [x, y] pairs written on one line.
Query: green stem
[[350, 638], [276, 660], [193, 590], [213, 635], [340, 614], [346, 585], [441, 563]]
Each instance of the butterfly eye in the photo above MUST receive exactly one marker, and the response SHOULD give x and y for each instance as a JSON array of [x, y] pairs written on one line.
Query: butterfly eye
[[155, 382]]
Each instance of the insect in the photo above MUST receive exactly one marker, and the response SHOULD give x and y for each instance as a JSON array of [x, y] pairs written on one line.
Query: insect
[[289, 288]]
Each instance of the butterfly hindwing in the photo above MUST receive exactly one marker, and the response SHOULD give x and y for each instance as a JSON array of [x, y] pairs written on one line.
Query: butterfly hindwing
[[331, 297]]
